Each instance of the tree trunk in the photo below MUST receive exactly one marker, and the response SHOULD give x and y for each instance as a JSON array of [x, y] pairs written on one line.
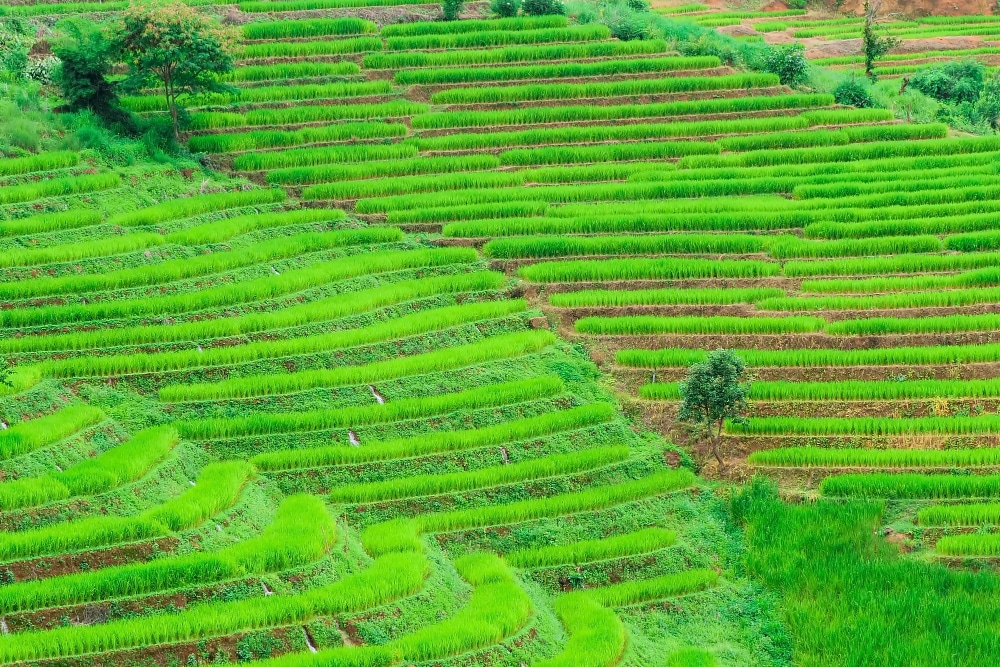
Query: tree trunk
[[716, 443]]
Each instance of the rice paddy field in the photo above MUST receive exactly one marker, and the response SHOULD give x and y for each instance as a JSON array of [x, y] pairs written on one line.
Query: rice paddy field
[[391, 378]]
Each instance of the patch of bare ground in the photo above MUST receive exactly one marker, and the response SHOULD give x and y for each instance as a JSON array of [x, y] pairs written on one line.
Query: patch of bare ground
[[914, 8], [810, 478], [819, 48], [380, 15], [391, 73], [287, 104]]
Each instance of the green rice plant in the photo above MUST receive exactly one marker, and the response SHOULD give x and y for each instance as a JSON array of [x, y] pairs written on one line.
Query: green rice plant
[[852, 390], [505, 346], [867, 425], [945, 298], [471, 212], [29, 491], [606, 153], [58, 187], [216, 120], [959, 515], [563, 91], [552, 71], [244, 141], [439, 442], [255, 73], [479, 39], [909, 183], [447, 483], [308, 28], [650, 297], [640, 325], [409, 408], [227, 228], [968, 545], [40, 162], [597, 636], [260, 288], [643, 590], [941, 324], [641, 541], [914, 283], [218, 486], [973, 242], [382, 169], [310, 5], [308, 157], [402, 534], [119, 465], [266, 94], [911, 485], [808, 138], [564, 246], [312, 48], [644, 269], [29, 435], [846, 116], [563, 114], [176, 209], [599, 133], [692, 657], [880, 266], [799, 457], [49, 222], [190, 267], [408, 325], [71, 252], [936, 225], [63, 8], [410, 184], [513, 54], [339, 305], [301, 532], [454, 27], [792, 247]]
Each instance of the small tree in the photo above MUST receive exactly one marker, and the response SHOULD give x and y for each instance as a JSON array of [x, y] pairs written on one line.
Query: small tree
[[86, 57], [450, 9], [505, 8], [715, 390], [874, 45], [173, 46]]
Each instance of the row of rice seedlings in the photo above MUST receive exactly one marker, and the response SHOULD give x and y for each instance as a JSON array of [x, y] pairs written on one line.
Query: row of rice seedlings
[[564, 91], [481, 25], [564, 114], [644, 269], [439, 442], [906, 486], [382, 169], [640, 325], [942, 299], [176, 209], [494, 180], [245, 141], [643, 590], [855, 390], [308, 28], [262, 94], [62, 8], [471, 212], [404, 534], [217, 488], [757, 204], [867, 425], [279, 71], [973, 241], [641, 541], [875, 150], [457, 482], [307, 157], [880, 266], [595, 632], [800, 457], [274, 6], [242, 292], [598, 133], [936, 225], [793, 247], [227, 228], [899, 283], [409, 325], [969, 199], [49, 222], [505, 346], [650, 297], [851, 60], [903, 356], [40, 162], [606, 153], [214, 120], [893, 185], [960, 515], [121, 464], [467, 40], [982, 546], [513, 54], [58, 187], [841, 137], [71, 252], [564, 246], [941, 324], [407, 408], [200, 265], [340, 305], [554, 71], [301, 532], [29, 435], [316, 48]]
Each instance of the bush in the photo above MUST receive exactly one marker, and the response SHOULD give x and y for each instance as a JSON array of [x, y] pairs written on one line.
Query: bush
[[953, 82], [852, 92], [787, 61], [505, 8], [543, 7], [450, 9]]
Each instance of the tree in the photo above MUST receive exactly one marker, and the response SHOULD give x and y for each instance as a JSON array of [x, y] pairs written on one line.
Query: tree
[[86, 56], [715, 390], [173, 46], [450, 9], [874, 45]]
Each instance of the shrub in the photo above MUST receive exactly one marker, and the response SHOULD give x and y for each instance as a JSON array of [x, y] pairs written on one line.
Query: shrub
[[450, 9], [505, 8], [853, 93], [788, 61], [542, 7]]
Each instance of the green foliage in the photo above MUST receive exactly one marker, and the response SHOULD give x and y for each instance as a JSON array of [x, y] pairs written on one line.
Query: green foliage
[[87, 55], [505, 8], [642, 541], [715, 392], [32, 434], [542, 7], [852, 92], [450, 9], [787, 61]]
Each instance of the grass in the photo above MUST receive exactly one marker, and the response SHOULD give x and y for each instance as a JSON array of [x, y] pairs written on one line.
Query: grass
[[875, 458], [562, 246], [707, 296], [245, 141], [644, 269], [906, 485], [955, 354], [639, 542], [640, 325], [29, 435]]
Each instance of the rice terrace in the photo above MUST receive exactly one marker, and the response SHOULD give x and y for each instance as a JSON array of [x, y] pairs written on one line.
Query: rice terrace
[[527, 333]]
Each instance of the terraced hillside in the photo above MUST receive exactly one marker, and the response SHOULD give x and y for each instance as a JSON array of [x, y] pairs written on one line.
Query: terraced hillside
[[345, 404]]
